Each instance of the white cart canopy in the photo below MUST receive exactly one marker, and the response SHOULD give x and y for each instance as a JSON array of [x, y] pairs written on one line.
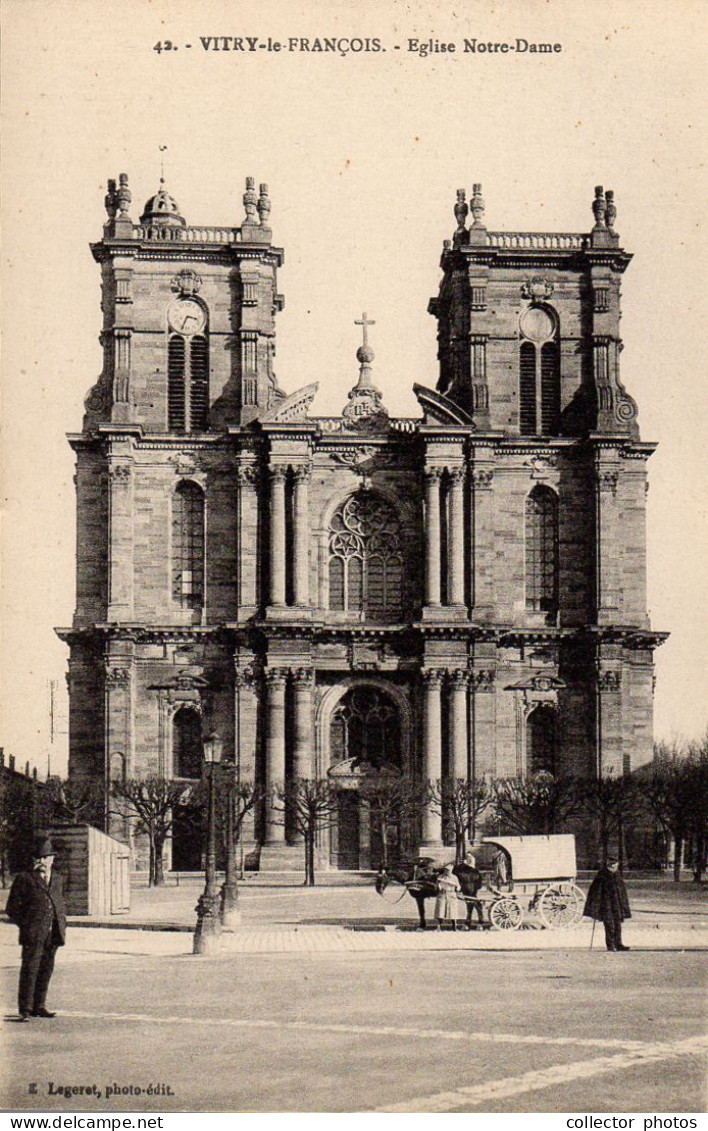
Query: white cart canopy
[[539, 857]]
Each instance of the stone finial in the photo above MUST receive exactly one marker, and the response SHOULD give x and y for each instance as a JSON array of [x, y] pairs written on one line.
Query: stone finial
[[461, 209], [365, 410], [364, 355], [477, 207], [124, 195], [264, 205], [110, 200], [250, 201], [610, 210], [599, 207]]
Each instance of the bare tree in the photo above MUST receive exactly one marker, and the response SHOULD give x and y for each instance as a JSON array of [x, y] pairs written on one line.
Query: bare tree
[[392, 801], [77, 800], [614, 802], [538, 805], [698, 818], [153, 801], [462, 803], [677, 792], [310, 804]]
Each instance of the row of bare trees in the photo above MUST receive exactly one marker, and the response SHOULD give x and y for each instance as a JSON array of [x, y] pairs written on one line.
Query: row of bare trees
[[670, 794]]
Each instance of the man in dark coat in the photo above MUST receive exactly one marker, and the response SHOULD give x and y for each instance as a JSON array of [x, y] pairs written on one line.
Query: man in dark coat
[[607, 900], [36, 905], [470, 880]]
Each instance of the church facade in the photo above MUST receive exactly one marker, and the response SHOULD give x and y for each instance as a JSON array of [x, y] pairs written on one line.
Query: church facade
[[457, 595]]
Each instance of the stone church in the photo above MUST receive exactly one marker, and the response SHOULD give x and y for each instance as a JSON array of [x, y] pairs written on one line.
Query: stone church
[[458, 594]]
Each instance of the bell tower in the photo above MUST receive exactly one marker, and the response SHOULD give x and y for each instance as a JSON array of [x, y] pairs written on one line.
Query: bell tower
[[188, 316], [528, 326]]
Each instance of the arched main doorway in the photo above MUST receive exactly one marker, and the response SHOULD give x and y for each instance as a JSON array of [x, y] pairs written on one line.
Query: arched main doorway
[[366, 752]]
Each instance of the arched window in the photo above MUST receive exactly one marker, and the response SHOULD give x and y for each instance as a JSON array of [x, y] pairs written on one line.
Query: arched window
[[365, 727], [187, 744], [542, 550], [539, 373], [187, 383], [366, 558], [541, 740], [188, 546]]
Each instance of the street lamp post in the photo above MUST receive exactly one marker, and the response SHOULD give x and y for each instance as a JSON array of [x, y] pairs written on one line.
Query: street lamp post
[[208, 929], [230, 911]]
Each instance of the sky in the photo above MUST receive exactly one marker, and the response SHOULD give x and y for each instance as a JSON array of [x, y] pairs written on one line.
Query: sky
[[362, 152]]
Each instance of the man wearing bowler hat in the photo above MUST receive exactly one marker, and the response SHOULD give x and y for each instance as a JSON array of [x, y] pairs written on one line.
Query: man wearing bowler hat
[[36, 905]]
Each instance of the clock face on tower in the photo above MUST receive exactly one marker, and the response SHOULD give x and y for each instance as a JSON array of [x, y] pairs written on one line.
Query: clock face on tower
[[186, 316]]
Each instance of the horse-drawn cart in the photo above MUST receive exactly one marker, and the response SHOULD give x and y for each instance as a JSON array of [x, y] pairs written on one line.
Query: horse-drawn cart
[[526, 878], [540, 880]]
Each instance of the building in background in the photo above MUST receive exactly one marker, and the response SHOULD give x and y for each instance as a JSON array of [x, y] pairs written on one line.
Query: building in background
[[460, 594]]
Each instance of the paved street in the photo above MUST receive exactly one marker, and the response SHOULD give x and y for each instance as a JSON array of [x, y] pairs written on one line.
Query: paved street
[[334, 1027]]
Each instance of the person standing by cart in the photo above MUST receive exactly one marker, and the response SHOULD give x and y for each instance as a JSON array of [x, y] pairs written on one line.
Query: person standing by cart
[[446, 901], [470, 880], [608, 902]]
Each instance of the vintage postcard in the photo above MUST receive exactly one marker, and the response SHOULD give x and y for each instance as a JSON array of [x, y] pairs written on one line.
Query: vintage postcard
[[354, 528]]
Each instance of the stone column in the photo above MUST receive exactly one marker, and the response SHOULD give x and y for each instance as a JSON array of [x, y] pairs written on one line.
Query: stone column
[[277, 535], [432, 536], [432, 749], [458, 725], [275, 752], [120, 541], [303, 746], [456, 533], [301, 537]]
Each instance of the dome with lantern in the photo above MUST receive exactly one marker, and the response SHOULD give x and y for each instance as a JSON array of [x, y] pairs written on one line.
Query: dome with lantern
[[163, 209]]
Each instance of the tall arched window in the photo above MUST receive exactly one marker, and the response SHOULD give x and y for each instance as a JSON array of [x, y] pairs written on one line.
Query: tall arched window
[[187, 743], [187, 370], [366, 558], [539, 373], [541, 740], [188, 546], [541, 542]]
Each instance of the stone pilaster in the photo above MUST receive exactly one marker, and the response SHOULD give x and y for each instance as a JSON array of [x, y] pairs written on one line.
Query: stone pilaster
[[432, 749], [120, 540], [458, 764], [303, 746], [119, 730], [245, 735], [483, 711], [607, 581], [482, 555], [275, 752], [247, 551], [609, 719]]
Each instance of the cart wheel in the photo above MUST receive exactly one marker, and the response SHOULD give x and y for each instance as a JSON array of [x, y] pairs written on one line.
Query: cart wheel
[[505, 914], [561, 906], [393, 891]]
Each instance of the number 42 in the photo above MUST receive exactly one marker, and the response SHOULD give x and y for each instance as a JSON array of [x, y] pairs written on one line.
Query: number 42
[[164, 45]]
